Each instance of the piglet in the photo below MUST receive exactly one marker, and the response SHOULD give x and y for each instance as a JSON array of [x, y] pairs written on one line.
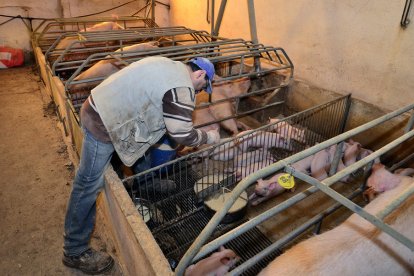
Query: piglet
[[287, 130], [245, 158], [320, 164], [405, 171], [380, 180], [218, 264], [266, 189], [225, 152], [351, 153], [263, 139], [243, 171]]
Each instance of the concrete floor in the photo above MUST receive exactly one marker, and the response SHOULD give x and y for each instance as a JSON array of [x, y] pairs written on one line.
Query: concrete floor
[[35, 177]]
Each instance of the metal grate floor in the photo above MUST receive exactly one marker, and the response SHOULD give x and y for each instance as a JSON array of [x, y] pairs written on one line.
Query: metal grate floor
[[176, 239]]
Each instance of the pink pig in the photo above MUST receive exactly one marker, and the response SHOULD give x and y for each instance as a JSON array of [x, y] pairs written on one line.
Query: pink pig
[[266, 189], [218, 264], [263, 139], [225, 90], [356, 247], [287, 130], [351, 153], [269, 188], [380, 180]]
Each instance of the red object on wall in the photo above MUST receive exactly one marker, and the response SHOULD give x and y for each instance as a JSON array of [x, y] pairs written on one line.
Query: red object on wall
[[10, 57]]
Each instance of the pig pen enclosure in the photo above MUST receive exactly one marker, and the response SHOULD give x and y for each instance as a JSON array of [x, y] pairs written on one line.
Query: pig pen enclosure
[[181, 205]]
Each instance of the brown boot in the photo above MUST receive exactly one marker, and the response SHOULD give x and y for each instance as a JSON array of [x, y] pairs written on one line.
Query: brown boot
[[90, 262]]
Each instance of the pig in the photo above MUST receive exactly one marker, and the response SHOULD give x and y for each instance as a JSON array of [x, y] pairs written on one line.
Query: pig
[[351, 153], [65, 42], [223, 110], [245, 158], [244, 171], [99, 27], [341, 165], [263, 139], [225, 90], [107, 67], [380, 180], [405, 171], [203, 116], [104, 26], [364, 153], [287, 130], [225, 152], [218, 264], [320, 164], [266, 189], [356, 247]]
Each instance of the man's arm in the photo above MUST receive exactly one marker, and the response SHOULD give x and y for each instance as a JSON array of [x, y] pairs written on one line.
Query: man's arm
[[178, 107]]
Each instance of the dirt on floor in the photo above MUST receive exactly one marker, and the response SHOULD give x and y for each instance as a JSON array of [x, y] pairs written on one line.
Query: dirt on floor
[[37, 167]]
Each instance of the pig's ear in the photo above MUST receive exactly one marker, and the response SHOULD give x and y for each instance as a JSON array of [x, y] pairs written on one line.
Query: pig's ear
[[272, 186]]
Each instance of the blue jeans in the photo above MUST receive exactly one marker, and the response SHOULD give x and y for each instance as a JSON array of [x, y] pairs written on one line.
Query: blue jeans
[[81, 210]]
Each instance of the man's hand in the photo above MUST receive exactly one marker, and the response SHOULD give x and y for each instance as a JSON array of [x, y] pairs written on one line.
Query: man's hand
[[213, 136]]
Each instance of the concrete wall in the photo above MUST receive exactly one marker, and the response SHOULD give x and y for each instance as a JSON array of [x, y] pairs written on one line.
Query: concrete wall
[[345, 46], [17, 35]]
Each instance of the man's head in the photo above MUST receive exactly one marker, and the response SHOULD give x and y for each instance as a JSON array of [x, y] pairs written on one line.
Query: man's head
[[204, 73]]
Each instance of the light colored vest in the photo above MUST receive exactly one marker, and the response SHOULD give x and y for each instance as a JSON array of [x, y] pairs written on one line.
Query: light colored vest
[[129, 103]]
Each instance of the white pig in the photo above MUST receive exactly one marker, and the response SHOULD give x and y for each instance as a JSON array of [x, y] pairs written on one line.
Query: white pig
[[104, 26], [269, 188], [356, 247], [217, 264], [99, 27], [351, 152], [263, 139], [320, 164], [287, 130], [105, 68]]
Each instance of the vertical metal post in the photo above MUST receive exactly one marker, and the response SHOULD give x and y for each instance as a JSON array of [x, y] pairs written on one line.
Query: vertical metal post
[[252, 21], [153, 11], [347, 108], [212, 17], [253, 30], [219, 17]]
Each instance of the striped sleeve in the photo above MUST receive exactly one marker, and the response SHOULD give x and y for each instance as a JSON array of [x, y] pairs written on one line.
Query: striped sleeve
[[178, 107]]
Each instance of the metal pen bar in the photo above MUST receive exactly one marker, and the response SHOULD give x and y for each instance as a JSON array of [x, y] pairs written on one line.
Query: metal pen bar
[[395, 203], [219, 17], [239, 47], [168, 54], [246, 182], [176, 49]]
